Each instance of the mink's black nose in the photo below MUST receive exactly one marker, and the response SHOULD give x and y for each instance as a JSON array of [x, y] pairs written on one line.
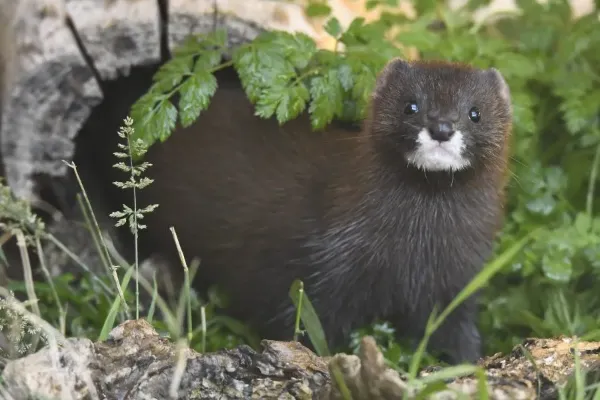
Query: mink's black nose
[[441, 131]]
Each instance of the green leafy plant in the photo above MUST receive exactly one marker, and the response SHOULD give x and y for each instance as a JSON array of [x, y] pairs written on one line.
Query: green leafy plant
[[282, 74]]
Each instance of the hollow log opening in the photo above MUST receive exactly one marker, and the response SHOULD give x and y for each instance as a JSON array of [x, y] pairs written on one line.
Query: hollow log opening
[[69, 78], [97, 141]]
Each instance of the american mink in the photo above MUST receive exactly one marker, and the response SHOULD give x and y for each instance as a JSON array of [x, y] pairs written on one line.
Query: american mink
[[383, 223]]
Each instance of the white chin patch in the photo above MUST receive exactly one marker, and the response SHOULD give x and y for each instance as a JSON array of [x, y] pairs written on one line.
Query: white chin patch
[[431, 155]]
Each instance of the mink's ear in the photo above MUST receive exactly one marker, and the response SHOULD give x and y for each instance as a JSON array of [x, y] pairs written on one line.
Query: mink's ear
[[393, 68], [495, 76]]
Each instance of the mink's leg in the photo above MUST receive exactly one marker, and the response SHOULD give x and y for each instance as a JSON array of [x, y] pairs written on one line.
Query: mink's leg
[[458, 337]]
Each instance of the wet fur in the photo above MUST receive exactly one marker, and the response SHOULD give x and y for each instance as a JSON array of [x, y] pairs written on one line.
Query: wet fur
[[370, 236]]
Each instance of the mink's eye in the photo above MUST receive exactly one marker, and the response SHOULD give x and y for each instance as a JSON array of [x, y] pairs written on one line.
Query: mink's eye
[[474, 114], [411, 108]]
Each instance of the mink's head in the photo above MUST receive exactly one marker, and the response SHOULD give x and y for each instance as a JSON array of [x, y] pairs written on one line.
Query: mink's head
[[437, 116]]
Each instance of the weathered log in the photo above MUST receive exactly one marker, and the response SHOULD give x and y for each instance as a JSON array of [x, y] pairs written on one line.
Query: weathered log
[[117, 34], [49, 99], [136, 363]]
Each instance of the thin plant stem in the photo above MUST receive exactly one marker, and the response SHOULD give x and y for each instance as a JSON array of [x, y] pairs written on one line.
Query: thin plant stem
[[88, 223], [61, 312], [181, 348], [97, 227], [150, 315], [203, 325], [134, 230], [592, 185], [78, 261], [122, 263], [28, 278], [187, 283]]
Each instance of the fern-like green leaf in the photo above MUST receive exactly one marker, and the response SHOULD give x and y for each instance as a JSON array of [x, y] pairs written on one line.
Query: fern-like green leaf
[[344, 72], [292, 103], [164, 120], [317, 9], [196, 93], [327, 99], [171, 73], [333, 27], [420, 38], [269, 100], [516, 65]]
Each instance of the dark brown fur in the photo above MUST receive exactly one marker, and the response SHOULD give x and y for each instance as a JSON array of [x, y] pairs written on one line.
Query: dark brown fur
[[370, 236]]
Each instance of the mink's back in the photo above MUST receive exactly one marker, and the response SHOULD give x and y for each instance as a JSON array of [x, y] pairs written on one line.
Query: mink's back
[[244, 193], [233, 173]]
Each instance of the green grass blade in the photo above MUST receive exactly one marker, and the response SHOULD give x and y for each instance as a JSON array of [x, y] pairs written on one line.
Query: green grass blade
[[109, 322], [311, 321]]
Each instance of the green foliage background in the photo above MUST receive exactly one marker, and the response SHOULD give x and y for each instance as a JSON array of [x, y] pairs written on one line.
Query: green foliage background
[[552, 64]]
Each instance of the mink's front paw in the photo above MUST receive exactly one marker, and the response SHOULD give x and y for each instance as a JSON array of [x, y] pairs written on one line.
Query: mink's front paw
[[458, 339], [468, 346]]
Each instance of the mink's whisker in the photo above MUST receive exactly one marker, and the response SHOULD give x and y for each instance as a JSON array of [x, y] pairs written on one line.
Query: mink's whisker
[[411, 125]]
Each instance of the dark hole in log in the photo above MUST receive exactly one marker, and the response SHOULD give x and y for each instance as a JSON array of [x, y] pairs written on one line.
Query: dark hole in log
[[97, 141]]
